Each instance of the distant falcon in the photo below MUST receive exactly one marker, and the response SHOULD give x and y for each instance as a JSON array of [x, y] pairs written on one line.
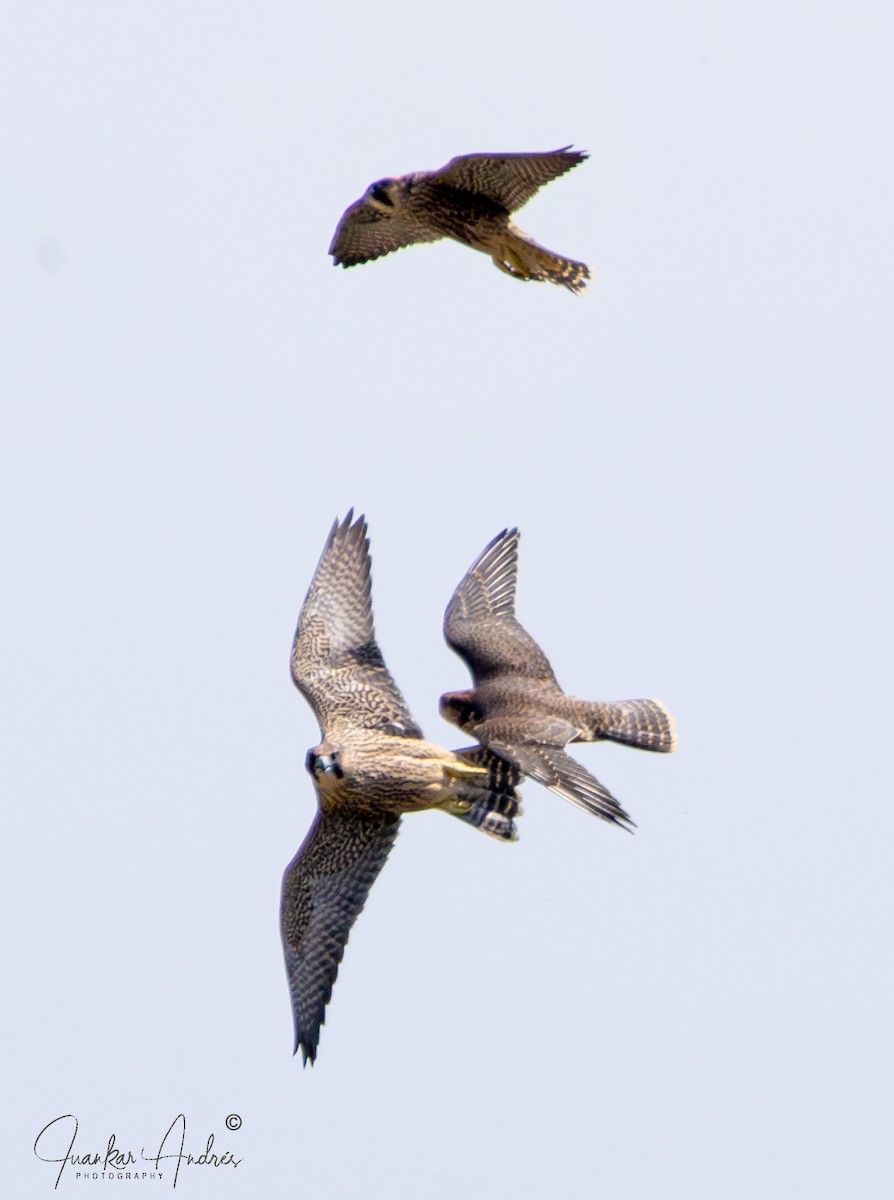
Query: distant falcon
[[469, 200], [372, 765], [517, 709]]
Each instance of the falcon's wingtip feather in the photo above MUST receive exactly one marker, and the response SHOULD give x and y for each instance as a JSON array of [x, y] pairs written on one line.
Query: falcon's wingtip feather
[[308, 1051], [502, 541], [349, 528]]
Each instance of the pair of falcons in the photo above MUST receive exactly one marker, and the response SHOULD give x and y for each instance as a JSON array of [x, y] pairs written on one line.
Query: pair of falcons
[[373, 763], [469, 200]]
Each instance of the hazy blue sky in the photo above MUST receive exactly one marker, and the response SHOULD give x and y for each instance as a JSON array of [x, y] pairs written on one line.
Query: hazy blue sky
[[698, 454]]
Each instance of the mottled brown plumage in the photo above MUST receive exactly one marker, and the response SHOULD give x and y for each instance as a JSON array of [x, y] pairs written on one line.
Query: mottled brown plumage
[[372, 765], [517, 709], [469, 200]]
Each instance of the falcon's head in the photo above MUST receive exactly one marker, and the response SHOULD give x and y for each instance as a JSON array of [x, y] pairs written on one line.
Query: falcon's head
[[383, 195], [323, 763], [459, 708]]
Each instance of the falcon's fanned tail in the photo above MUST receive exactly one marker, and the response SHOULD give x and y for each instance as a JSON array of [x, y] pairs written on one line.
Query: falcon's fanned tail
[[645, 724]]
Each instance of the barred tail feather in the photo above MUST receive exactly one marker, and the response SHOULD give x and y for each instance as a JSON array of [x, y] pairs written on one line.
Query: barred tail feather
[[491, 804], [573, 275], [486, 816], [645, 724]]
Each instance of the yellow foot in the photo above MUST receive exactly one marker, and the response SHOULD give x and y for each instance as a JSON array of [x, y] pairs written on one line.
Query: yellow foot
[[512, 265], [463, 770]]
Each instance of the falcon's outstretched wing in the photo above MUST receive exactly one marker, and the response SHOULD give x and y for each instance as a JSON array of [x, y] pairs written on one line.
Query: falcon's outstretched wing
[[365, 233], [559, 772], [336, 663], [509, 179], [324, 889], [480, 623]]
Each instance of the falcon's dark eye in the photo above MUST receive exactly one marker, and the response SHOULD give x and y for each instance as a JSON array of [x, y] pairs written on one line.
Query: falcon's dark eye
[[378, 193]]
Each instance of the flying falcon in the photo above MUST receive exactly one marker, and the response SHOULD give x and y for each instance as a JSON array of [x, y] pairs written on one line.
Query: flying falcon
[[516, 708], [469, 200], [372, 765]]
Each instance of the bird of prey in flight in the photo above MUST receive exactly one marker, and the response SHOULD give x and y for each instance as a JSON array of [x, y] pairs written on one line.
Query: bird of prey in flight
[[371, 766], [516, 708], [471, 200]]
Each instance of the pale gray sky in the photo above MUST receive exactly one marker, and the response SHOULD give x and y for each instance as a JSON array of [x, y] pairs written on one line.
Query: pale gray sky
[[698, 454]]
